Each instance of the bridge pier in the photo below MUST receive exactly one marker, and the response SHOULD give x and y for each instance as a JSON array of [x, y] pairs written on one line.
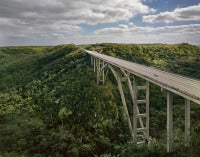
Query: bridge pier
[[169, 122], [187, 123], [99, 66], [137, 116]]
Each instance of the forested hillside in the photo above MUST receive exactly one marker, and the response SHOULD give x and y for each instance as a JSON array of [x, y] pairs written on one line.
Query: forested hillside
[[50, 104]]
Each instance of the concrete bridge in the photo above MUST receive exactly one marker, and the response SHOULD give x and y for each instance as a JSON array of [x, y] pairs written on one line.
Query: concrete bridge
[[125, 72]]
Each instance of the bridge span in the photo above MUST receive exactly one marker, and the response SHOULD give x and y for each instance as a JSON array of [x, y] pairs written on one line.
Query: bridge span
[[172, 83]]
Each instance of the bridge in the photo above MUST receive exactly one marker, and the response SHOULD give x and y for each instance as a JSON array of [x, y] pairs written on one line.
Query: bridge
[[125, 72]]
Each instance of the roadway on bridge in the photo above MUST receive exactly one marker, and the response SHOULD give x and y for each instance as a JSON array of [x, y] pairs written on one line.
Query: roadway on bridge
[[186, 87]]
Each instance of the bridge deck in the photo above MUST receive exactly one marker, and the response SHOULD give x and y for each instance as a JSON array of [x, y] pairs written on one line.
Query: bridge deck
[[186, 87]]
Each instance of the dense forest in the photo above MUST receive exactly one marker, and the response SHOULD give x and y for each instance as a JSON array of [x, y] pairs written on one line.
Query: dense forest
[[51, 105]]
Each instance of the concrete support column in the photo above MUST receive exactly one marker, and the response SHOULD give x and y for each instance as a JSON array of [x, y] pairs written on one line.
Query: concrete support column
[[94, 63], [98, 70], [92, 60], [187, 122], [103, 73], [147, 110], [169, 122]]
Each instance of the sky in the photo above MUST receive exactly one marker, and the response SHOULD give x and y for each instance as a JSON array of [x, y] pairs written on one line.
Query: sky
[[54, 22]]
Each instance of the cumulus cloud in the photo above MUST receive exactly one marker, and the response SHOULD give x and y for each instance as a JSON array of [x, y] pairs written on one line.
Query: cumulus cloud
[[73, 12], [133, 29], [166, 34], [46, 22], [16, 26], [191, 13], [22, 17], [169, 38]]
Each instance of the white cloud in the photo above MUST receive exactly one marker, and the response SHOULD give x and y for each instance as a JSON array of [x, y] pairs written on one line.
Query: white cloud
[[169, 38], [121, 34], [191, 13], [62, 16], [50, 22], [18, 27], [166, 34], [133, 29], [78, 11]]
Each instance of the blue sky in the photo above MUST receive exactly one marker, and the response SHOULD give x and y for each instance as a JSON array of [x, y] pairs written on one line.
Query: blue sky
[[53, 22]]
